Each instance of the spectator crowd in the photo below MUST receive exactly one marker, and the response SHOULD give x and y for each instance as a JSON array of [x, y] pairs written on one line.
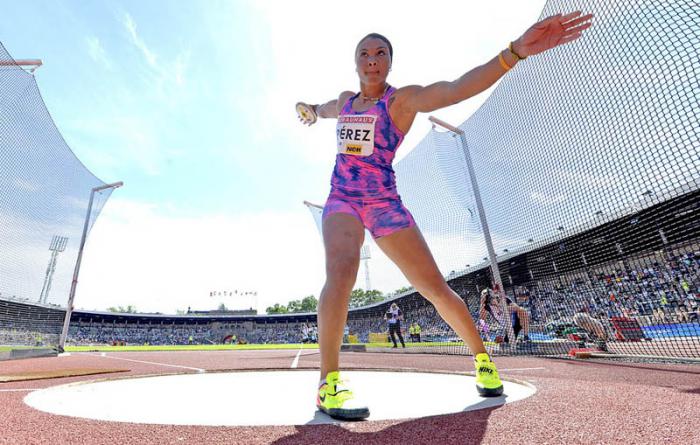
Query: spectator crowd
[[653, 291]]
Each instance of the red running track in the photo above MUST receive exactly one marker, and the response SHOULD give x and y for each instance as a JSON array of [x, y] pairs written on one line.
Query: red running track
[[577, 402]]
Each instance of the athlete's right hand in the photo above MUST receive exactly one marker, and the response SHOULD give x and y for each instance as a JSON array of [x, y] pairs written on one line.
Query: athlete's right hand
[[306, 113]]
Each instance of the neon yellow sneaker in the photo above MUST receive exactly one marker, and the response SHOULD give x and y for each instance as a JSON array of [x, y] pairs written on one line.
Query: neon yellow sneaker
[[487, 381], [336, 400]]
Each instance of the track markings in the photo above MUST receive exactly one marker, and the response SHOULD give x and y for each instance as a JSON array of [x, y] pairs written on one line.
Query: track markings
[[200, 370], [296, 359], [19, 389]]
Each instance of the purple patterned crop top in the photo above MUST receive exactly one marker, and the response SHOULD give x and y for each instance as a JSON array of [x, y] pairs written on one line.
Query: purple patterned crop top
[[367, 142]]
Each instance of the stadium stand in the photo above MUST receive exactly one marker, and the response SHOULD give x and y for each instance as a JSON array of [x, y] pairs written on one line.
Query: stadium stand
[[661, 294]]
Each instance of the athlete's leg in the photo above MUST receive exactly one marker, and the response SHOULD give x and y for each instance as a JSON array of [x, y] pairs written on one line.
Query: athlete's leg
[[408, 250], [398, 332], [343, 235], [392, 333], [524, 316], [517, 327]]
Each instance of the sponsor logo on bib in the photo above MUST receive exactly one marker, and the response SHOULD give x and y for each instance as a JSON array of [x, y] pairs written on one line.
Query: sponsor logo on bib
[[356, 134]]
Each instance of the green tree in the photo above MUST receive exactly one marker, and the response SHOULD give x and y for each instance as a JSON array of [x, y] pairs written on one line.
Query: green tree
[[361, 297], [294, 306], [276, 309], [123, 310], [401, 290], [222, 307], [309, 304]]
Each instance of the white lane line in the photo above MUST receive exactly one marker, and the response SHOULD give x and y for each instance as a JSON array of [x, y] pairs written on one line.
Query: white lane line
[[519, 369], [296, 359], [17, 390], [150, 363]]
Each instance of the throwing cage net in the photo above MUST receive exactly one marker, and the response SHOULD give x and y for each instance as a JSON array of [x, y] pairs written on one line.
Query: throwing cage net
[[586, 158], [44, 194]]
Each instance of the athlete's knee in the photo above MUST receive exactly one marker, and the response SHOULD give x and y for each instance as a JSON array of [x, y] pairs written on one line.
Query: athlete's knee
[[340, 264], [341, 274], [438, 293]]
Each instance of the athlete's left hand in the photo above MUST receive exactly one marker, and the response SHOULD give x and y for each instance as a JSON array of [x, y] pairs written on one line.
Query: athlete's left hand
[[551, 32]]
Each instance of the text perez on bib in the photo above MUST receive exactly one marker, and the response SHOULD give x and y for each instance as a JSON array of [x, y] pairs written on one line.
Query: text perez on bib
[[356, 134]]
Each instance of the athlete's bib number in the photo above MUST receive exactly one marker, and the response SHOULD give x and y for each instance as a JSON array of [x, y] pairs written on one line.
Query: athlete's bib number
[[356, 135]]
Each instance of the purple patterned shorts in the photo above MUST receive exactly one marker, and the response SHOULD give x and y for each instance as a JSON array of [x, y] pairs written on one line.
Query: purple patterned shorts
[[381, 215]]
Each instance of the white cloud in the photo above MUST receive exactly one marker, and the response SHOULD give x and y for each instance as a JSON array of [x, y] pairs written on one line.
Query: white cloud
[[23, 184], [577, 178], [547, 199], [137, 255], [97, 52], [167, 77], [136, 39]]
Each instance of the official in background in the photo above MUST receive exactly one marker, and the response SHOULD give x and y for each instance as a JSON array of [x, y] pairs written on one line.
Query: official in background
[[415, 330]]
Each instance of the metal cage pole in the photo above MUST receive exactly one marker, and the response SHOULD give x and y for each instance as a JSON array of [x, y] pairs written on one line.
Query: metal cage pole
[[495, 273], [498, 284], [76, 271]]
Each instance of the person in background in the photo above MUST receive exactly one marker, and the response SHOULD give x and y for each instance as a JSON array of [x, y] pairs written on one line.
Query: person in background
[[393, 317], [305, 333], [415, 332], [593, 326], [491, 303]]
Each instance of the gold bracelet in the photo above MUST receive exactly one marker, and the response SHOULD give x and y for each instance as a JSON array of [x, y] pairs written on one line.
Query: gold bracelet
[[503, 62]]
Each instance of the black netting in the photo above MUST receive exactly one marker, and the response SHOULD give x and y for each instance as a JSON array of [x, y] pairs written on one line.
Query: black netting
[[587, 160], [44, 193]]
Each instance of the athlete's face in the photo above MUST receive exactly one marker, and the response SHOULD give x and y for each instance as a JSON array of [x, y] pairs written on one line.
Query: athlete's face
[[372, 61]]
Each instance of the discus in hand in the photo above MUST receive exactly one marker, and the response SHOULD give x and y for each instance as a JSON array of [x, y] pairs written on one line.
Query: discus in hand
[[306, 113]]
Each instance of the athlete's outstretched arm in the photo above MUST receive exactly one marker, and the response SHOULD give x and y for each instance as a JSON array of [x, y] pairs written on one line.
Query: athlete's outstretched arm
[[546, 34], [330, 109]]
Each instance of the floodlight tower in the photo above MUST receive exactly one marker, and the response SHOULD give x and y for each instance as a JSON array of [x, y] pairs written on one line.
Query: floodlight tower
[[58, 245], [365, 256]]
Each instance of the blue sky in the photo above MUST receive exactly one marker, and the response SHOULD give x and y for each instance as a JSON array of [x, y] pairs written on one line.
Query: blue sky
[[150, 95], [191, 105]]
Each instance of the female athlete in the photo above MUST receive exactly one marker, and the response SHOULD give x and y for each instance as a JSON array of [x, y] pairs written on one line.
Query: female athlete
[[371, 125]]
